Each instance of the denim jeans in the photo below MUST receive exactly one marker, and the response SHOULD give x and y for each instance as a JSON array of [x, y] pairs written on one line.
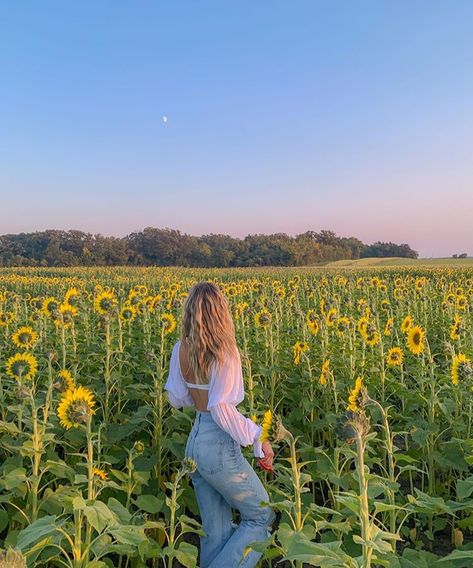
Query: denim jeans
[[224, 480]]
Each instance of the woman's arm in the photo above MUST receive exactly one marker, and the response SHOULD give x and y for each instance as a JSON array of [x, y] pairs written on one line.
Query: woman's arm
[[225, 392], [240, 428], [177, 390]]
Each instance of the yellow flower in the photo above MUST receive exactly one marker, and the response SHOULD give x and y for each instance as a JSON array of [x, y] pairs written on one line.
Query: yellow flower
[[461, 368], [298, 348], [330, 318], [362, 324], [75, 407], [456, 328], [128, 313], [71, 296], [100, 473], [325, 372], [25, 337], [462, 302], [262, 318], [395, 357], [312, 322], [50, 306], [416, 340], [169, 323], [105, 302], [240, 309], [407, 324], [354, 398], [266, 425], [389, 327], [22, 366], [370, 334], [66, 314], [64, 381], [6, 318]]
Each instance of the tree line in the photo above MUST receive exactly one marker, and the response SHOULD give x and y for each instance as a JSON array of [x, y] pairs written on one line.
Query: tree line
[[170, 247]]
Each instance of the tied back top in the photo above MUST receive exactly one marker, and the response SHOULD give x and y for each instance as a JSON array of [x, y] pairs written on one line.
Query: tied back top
[[226, 391]]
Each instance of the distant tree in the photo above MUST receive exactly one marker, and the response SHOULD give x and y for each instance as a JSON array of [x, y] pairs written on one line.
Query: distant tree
[[170, 247], [380, 249], [463, 255]]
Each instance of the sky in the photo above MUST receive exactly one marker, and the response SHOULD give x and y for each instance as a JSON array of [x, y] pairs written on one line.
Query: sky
[[281, 117]]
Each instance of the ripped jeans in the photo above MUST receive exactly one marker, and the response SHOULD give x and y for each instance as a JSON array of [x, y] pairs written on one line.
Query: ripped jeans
[[224, 480]]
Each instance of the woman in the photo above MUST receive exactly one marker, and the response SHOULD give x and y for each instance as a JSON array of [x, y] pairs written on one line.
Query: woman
[[205, 372]]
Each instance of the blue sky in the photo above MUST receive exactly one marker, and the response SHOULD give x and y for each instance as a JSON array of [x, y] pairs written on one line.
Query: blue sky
[[282, 117]]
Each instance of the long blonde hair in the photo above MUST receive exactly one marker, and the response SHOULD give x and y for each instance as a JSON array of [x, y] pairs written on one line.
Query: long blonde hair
[[207, 329]]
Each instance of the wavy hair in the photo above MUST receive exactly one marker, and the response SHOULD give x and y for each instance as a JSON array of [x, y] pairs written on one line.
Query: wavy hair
[[207, 329]]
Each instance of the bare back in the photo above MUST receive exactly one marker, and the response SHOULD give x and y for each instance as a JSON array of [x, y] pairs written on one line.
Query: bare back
[[200, 397]]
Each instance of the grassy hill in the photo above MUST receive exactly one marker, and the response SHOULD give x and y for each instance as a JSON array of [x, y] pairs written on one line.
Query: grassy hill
[[398, 261]]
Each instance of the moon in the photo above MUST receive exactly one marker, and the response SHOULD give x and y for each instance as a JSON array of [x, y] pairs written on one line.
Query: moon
[[165, 119]]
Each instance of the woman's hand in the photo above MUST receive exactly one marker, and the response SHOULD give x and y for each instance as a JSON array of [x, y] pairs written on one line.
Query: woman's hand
[[267, 462]]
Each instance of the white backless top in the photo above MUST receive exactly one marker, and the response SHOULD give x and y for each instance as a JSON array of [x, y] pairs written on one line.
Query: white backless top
[[226, 390]]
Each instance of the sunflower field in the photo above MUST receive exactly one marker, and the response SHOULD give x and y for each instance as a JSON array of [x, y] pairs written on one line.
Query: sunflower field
[[363, 378]]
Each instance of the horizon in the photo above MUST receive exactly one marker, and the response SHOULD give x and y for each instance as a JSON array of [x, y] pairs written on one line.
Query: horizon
[[240, 119]]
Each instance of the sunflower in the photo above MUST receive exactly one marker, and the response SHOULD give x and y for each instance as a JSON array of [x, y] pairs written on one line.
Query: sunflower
[[36, 303], [312, 322], [6, 318], [105, 302], [362, 324], [385, 304], [462, 368], [389, 327], [419, 284], [262, 318], [324, 373], [240, 309], [50, 306], [395, 357], [343, 325], [100, 473], [407, 324], [22, 366], [128, 313], [169, 323], [330, 318], [456, 328], [64, 381], [354, 400], [371, 336], [462, 302], [280, 292], [66, 313], [231, 291], [266, 426], [416, 340], [154, 301], [450, 298], [298, 348], [72, 296], [75, 407], [25, 337]]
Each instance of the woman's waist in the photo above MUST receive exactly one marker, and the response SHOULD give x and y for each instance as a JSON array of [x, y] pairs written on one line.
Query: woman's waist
[[205, 424]]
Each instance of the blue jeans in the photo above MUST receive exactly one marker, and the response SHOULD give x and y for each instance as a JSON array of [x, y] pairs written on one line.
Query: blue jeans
[[224, 480]]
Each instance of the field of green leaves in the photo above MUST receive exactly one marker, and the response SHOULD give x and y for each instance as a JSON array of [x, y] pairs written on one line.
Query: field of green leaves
[[367, 373]]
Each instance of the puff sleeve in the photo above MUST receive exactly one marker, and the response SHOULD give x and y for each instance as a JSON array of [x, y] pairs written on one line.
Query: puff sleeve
[[225, 392], [177, 389]]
